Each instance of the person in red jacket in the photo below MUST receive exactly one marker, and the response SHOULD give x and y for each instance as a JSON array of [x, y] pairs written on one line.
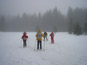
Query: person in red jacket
[[24, 37], [52, 37]]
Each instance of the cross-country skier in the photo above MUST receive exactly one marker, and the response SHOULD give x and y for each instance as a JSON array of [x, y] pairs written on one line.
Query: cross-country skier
[[39, 36], [24, 37], [52, 37], [45, 36]]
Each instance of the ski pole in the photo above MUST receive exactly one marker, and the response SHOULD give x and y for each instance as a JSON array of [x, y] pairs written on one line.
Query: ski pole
[[44, 46], [35, 45], [28, 42], [21, 43]]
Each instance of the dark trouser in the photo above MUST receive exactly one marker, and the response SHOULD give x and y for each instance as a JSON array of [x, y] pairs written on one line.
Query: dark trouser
[[24, 43], [39, 43]]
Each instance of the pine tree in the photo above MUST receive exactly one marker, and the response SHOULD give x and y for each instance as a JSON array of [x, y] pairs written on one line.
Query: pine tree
[[2, 23], [70, 20], [85, 28], [77, 29]]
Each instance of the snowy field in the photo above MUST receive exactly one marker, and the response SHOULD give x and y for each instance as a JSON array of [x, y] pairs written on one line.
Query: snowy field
[[67, 50]]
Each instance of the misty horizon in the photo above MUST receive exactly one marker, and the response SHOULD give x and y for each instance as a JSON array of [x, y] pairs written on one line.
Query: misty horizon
[[51, 20]]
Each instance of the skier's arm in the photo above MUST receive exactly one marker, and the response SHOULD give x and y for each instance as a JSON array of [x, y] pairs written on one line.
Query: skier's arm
[[36, 35], [22, 37], [26, 36], [50, 34], [42, 35]]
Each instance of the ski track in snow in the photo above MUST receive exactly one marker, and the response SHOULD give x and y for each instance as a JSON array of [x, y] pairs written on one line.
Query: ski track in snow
[[67, 50]]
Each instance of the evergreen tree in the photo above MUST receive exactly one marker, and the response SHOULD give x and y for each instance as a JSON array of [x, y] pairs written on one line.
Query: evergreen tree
[[77, 29], [85, 28], [70, 20], [2, 23]]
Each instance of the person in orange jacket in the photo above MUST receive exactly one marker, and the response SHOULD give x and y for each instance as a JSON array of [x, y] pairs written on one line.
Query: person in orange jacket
[[52, 37], [39, 36], [24, 37]]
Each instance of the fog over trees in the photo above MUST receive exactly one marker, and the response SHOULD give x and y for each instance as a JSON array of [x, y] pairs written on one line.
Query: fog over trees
[[51, 20]]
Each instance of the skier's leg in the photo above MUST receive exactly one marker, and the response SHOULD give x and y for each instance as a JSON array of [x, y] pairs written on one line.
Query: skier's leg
[[51, 40], [46, 39], [37, 45], [40, 45], [23, 43]]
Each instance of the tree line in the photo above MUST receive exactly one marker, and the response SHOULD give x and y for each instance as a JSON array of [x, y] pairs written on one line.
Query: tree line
[[52, 20]]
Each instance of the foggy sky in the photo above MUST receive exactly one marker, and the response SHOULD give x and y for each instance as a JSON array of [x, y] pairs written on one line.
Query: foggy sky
[[15, 7]]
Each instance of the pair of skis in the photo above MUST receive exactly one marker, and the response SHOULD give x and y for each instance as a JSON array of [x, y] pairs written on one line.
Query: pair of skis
[[39, 50]]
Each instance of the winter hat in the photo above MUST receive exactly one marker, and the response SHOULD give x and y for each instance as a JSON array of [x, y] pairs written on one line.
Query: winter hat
[[24, 33], [39, 30]]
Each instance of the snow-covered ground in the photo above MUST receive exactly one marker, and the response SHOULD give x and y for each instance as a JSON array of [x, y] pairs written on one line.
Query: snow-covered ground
[[67, 50]]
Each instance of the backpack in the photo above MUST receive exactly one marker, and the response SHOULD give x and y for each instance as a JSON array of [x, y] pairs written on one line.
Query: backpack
[[25, 38], [39, 35]]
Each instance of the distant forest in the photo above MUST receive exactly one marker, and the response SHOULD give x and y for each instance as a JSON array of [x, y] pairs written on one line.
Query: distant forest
[[52, 20]]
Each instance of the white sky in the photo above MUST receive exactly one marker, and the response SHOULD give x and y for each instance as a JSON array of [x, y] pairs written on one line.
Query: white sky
[[14, 7]]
